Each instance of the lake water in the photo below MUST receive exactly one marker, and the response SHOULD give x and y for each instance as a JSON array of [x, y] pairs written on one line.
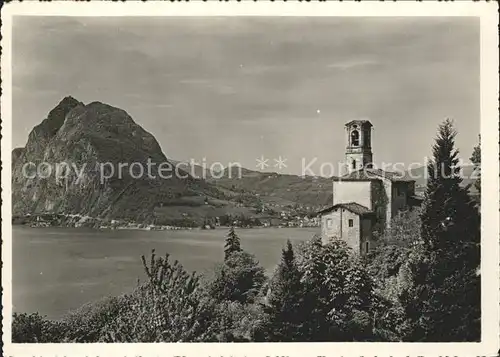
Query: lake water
[[59, 269]]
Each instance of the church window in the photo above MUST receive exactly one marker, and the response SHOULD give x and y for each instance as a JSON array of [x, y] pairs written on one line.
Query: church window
[[354, 164], [367, 246], [351, 223], [355, 138], [329, 223]]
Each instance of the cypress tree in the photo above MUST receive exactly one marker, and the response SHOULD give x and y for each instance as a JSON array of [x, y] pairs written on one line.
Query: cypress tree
[[285, 310], [232, 244], [444, 302]]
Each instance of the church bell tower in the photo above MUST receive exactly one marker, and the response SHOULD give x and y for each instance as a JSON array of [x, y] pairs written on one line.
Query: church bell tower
[[358, 151]]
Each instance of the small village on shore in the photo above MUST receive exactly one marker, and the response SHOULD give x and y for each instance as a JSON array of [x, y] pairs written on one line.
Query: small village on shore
[[45, 220]]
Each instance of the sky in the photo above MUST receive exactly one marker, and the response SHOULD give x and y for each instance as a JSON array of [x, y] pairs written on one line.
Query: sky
[[222, 89]]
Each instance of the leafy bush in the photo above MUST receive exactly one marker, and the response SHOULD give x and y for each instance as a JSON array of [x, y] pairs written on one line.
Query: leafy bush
[[339, 292], [88, 323], [237, 322], [388, 265], [34, 328], [395, 246], [169, 307]]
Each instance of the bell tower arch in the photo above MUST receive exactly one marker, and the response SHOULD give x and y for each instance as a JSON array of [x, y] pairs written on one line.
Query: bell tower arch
[[358, 151]]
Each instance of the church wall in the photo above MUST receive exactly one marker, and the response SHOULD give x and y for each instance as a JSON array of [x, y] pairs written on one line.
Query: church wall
[[351, 235], [352, 191], [339, 228], [411, 188], [400, 193], [401, 199], [366, 235], [381, 203]]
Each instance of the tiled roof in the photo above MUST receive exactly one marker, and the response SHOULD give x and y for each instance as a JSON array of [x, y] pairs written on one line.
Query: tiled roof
[[363, 174], [366, 174], [350, 206]]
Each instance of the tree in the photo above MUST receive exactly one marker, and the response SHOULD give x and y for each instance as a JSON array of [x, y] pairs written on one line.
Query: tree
[[339, 291], [476, 160], [284, 311], [387, 265], [34, 328], [351, 293], [443, 303], [237, 322], [394, 246], [169, 307], [240, 278], [312, 265], [232, 244]]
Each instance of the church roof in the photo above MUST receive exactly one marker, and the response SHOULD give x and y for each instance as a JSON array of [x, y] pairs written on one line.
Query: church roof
[[366, 174], [350, 206], [359, 122]]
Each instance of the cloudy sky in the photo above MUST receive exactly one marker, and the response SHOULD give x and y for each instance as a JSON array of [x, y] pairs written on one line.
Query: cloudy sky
[[233, 89]]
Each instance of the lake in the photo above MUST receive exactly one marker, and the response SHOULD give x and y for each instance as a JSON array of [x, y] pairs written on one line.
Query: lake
[[59, 269]]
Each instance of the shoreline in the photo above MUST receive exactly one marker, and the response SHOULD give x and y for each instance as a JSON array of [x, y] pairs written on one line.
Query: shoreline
[[61, 220]]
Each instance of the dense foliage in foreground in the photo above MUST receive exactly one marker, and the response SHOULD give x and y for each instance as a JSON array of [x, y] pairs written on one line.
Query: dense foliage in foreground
[[421, 283]]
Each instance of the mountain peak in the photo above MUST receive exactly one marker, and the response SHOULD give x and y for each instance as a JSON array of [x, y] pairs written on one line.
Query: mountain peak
[[56, 116], [94, 137], [69, 101]]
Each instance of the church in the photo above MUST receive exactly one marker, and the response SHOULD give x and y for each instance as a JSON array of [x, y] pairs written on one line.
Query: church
[[365, 199]]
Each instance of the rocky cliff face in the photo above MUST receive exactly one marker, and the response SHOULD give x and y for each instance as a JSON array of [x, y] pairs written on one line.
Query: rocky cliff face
[[91, 148]]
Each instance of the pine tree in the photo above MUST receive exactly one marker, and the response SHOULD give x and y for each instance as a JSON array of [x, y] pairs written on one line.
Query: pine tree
[[232, 244], [476, 160], [444, 302], [285, 310]]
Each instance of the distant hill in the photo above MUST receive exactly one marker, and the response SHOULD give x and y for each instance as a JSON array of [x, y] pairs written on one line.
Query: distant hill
[[266, 187], [420, 176], [288, 190], [277, 188], [197, 171]]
